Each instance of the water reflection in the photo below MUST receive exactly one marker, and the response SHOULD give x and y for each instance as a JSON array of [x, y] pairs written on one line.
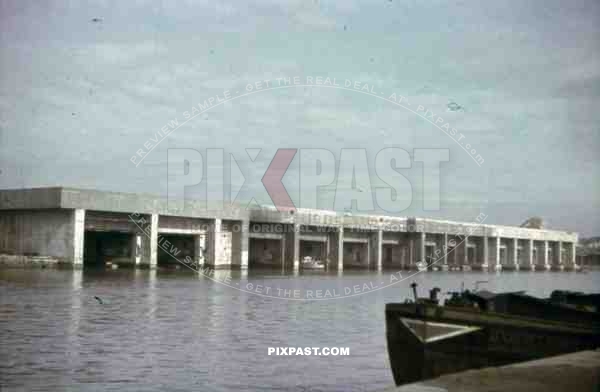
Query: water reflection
[[165, 330], [74, 311]]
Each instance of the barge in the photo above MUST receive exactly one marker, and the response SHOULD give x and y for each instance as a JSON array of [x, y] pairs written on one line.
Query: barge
[[426, 340]]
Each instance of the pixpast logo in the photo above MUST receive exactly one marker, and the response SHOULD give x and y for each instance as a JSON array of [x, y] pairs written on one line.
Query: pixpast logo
[[318, 168]]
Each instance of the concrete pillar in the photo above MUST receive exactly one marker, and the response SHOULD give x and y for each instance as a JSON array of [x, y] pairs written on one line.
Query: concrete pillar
[[546, 261], [199, 249], [296, 247], [485, 252], [462, 252], [244, 244], [445, 248], [498, 261], [153, 241], [421, 247], [369, 246], [340, 249], [573, 255], [328, 251], [78, 236], [136, 248], [531, 262], [515, 253], [378, 248], [214, 243], [283, 247]]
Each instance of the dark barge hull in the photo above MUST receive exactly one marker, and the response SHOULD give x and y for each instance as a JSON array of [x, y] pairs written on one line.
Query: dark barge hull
[[577, 300], [426, 341], [527, 306]]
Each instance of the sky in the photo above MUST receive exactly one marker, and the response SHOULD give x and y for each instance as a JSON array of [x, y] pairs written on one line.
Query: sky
[[83, 84]]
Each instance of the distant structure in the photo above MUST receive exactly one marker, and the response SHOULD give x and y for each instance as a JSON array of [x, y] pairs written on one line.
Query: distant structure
[[534, 223], [588, 251], [454, 107]]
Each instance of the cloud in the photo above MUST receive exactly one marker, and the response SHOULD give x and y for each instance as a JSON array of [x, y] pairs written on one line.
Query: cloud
[[531, 94]]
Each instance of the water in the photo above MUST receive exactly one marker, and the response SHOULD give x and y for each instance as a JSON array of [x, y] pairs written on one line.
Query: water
[[160, 331]]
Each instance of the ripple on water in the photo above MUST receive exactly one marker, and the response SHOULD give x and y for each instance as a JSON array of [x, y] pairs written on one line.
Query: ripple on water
[[177, 332]]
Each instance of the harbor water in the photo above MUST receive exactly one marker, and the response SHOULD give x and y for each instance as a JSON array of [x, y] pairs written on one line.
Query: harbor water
[[140, 330]]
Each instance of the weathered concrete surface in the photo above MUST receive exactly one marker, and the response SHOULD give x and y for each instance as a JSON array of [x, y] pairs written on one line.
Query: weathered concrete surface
[[71, 198], [146, 204], [41, 237], [477, 229], [13, 199], [569, 373], [26, 230]]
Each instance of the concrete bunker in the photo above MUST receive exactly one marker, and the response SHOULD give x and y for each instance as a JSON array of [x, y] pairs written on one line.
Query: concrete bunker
[[39, 237], [102, 248], [356, 249], [175, 250], [433, 249], [266, 245], [112, 238], [394, 256], [523, 254], [399, 250], [395, 250], [316, 250], [507, 253], [471, 253], [315, 246], [453, 258], [476, 252], [265, 253], [430, 256], [503, 256], [356, 254], [538, 255], [182, 241]]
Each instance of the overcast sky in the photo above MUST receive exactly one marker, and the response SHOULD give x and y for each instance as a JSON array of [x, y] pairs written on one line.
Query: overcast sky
[[78, 97]]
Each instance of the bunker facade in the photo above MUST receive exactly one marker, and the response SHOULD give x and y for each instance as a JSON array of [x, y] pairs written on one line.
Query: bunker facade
[[77, 227]]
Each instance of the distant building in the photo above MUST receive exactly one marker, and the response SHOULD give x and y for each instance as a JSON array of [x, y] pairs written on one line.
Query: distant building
[[588, 251], [534, 223]]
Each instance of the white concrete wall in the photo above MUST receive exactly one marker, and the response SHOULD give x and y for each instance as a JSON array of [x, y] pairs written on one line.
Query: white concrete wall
[[38, 233], [220, 244]]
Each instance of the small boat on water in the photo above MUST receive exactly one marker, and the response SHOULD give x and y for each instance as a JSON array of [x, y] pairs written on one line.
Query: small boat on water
[[480, 329], [309, 263]]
